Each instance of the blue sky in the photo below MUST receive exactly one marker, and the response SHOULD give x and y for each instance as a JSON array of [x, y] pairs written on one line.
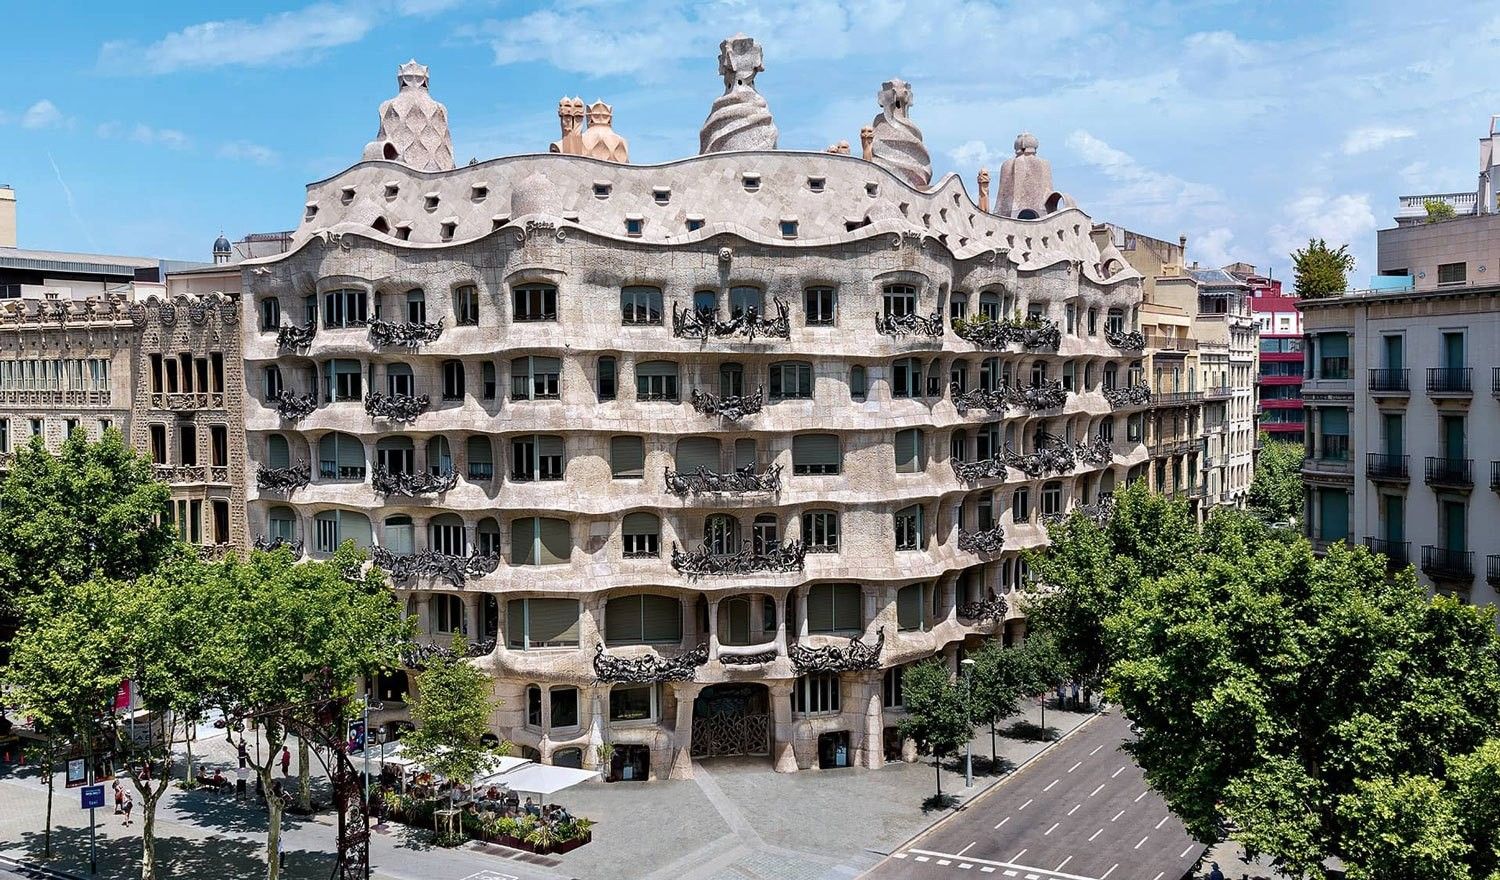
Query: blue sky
[[147, 128]]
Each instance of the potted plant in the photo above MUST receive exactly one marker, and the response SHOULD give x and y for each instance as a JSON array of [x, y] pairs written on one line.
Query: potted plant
[[606, 751]]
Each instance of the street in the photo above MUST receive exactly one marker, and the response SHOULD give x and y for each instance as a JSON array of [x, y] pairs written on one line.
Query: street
[[1081, 811]]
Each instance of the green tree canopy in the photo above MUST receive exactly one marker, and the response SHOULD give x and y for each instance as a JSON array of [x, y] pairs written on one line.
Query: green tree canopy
[[1320, 270], [937, 715], [451, 708], [1276, 488], [1438, 210]]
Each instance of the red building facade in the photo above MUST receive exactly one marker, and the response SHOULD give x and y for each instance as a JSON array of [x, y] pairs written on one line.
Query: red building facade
[[1280, 382]]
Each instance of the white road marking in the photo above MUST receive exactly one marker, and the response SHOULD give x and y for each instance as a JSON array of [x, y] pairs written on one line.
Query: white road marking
[[944, 862], [1095, 751], [1025, 805], [1162, 822], [1017, 856], [1185, 852], [1097, 790], [1159, 876], [1110, 871], [1117, 773], [922, 858], [986, 869], [1062, 863], [1139, 796], [1052, 829], [1095, 834], [1075, 809], [1143, 841], [1014, 869], [1075, 766], [1002, 822], [1050, 784], [967, 848], [965, 865], [1118, 815], [899, 855]]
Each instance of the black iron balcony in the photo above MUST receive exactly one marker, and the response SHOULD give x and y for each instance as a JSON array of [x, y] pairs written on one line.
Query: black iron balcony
[[1177, 398], [1030, 334], [1397, 553], [1218, 392], [1053, 456], [263, 542], [1390, 381], [283, 479], [332, 470], [1440, 563], [649, 668], [708, 560], [292, 406], [1492, 570], [405, 334], [1379, 466], [749, 323], [1125, 340], [1495, 381], [456, 570], [984, 610], [910, 324], [732, 407], [296, 338], [396, 407], [1450, 380], [739, 481], [990, 540], [1456, 473], [388, 482], [1130, 395]]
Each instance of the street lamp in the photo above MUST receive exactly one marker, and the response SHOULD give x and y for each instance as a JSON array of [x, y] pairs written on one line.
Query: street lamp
[[968, 664]]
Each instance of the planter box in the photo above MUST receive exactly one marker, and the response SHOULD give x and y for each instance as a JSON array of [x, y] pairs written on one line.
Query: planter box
[[518, 843]]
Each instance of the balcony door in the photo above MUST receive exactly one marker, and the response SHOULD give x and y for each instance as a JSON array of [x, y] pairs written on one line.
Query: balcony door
[[1453, 437], [1395, 355], [1394, 519], [1455, 526], [1453, 350], [1395, 440]]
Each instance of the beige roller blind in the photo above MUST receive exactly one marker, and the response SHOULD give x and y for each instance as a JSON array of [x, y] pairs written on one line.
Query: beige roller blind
[[661, 619], [908, 446], [515, 623], [555, 542], [696, 452], [909, 607], [627, 456], [523, 541], [639, 523], [553, 621]]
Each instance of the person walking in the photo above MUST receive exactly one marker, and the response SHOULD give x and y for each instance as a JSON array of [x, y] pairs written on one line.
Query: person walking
[[286, 761], [119, 798], [242, 775], [1215, 874], [129, 805]]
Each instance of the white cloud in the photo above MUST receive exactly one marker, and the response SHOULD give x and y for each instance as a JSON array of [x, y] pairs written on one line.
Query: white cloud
[[1219, 46], [1212, 248], [42, 114], [976, 154], [1150, 194], [284, 37], [249, 152], [1372, 137], [141, 133], [1339, 219]]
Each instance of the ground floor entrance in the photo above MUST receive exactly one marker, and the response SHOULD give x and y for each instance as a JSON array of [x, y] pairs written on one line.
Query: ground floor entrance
[[732, 719]]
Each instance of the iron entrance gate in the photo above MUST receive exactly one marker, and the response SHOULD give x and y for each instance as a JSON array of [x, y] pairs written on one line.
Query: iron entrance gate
[[731, 719]]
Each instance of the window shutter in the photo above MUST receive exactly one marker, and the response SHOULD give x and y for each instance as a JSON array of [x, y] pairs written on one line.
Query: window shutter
[[1335, 421], [1335, 345], [549, 445], [846, 599], [909, 607], [351, 452], [515, 623], [744, 453], [554, 621], [815, 449], [356, 527], [627, 456], [639, 523], [622, 620], [820, 609], [556, 542], [479, 450], [278, 453], [696, 452], [656, 368], [661, 619], [906, 451], [523, 542]]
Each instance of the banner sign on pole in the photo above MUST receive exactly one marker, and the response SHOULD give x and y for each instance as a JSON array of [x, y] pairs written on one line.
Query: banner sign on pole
[[93, 796], [78, 770], [356, 736]]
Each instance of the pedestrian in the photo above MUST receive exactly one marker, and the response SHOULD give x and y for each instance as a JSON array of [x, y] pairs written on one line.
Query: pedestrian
[[129, 805], [119, 798], [244, 755], [286, 761], [241, 776], [281, 850], [1215, 874]]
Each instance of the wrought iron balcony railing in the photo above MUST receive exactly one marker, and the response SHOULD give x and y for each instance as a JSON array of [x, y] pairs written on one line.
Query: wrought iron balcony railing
[[706, 560], [1176, 398], [1130, 395], [974, 471], [417, 656], [1492, 570], [750, 323], [283, 479], [648, 668], [396, 407], [733, 407], [187, 400], [296, 337], [910, 324], [1094, 451], [292, 406], [1053, 455], [1125, 340], [405, 334], [1030, 334], [984, 610], [857, 655], [739, 481], [1397, 553], [1495, 476], [1450, 380], [180, 473], [1390, 381], [1444, 564], [990, 540], [456, 570], [1218, 392], [263, 542], [1379, 466], [1450, 472], [410, 485], [1032, 398]]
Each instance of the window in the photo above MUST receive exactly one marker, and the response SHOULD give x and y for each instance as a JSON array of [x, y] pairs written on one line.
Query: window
[[906, 378], [632, 702], [535, 302], [541, 623], [399, 535], [834, 608], [187, 444], [743, 299], [399, 381], [333, 527], [642, 619], [536, 457], [344, 308], [989, 305], [395, 455], [634, 226], [535, 378], [1114, 321], [890, 688], [958, 305], [453, 380], [859, 384], [909, 451], [282, 523], [487, 379], [791, 380], [564, 706], [270, 313], [344, 381], [721, 534], [1093, 322], [445, 534], [909, 531], [914, 607], [731, 379], [218, 445], [340, 457], [536, 540], [448, 614], [1452, 273], [272, 382], [820, 305], [5, 434], [534, 706], [1052, 500], [816, 693], [789, 229], [158, 440], [642, 535], [694, 224], [656, 380], [820, 531], [439, 457], [765, 534], [706, 302], [1070, 319], [627, 458], [1020, 507], [640, 305], [815, 454], [900, 300], [466, 306], [416, 306], [606, 372], [984, 509]]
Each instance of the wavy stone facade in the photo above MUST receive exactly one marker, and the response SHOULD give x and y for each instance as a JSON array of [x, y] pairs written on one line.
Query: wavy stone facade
[[722, 404]]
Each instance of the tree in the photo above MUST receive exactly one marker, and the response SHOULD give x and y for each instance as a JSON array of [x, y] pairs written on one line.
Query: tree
[[1004, 676], [937, 715], [1320, 270], [92, 508], [1438, 210], [451, 708], [1276, 488], [293, 640]]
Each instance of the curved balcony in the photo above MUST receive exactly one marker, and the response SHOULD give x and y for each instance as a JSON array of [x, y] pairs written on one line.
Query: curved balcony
[[1130, 395], [740, 481], [989, 610], [416, 655], [984, 541], [405, 334], [1031, 334], [1125, 340], [733, 407], [396, 407], [706, 560], [411, 485], [456, 570], [856, 655], [268, 544], [694, 324], [284, 480], [648, 668], [1032, 398], [291, 406], [910, 324], [293, 337]]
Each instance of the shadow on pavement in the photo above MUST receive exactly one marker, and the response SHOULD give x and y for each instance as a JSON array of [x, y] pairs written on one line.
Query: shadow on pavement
[[1025, 730], [176, 857], [939, 802]]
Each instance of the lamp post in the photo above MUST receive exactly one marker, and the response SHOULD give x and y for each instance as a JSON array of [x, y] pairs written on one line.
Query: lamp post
[[968, 664]]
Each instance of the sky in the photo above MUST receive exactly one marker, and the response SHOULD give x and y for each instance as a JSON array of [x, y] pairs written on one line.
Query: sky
[[146, 129]]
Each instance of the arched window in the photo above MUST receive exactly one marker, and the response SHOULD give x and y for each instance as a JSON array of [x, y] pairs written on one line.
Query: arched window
[[445, 534], [1052, 499], [910, 528], [336, 526], [481, 458], [958, 376], [910, 451], [439, 457], [448, 614], [487, 536], [270, 313], [399, 535], [272, 382], [743, 299], [341, 457], [721, 532], [416, 306], [395, 455], [765, 535], [278, 452], [989, 305]]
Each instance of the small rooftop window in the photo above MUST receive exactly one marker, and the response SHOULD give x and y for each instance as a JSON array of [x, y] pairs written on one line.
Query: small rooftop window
[[751, 180], [346, 195], [312, 211], [634, 224], [430, 201], [498, 221], [447, 230], [662, 194], [789, 228], [694, 222], [872, 189], [392, 189], [479, 192], [571, 216], [601, 189], [379, 225], [403, 231], [816, 184]]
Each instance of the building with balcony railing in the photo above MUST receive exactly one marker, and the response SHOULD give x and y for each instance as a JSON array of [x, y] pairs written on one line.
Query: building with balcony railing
[[1279, 374], [697, 456]]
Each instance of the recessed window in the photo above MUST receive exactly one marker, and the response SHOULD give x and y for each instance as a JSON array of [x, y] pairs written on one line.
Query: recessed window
[[815, 454], [656, 380], [479, 192], [535, 302], [640, 305], [466, 305], [816, 694], [633, 225], [694, 223], [1452, 273], [498, 222], [403, 231], [447, 229], [312, 211], [872, 189], [602, 189], [791, 380], [820, 303], [751, 181], [662, 194], [820, 531], [910, 533], [392, 190], [346, 195], [789, 229], [430, 201], [816, 184]]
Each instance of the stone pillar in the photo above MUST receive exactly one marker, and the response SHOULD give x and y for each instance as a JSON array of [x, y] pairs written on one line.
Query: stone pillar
[[757, 616], [472, 626], [801, 614], [713, 629], [682, 740], [780, 625], [424, 614], [598, 704], [783, 734], [872, 755]]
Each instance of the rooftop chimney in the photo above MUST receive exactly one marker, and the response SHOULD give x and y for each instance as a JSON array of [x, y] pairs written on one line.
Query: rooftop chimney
[[7, 216]]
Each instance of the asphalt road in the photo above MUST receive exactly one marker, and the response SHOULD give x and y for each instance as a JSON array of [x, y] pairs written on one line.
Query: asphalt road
[[1081, 811]]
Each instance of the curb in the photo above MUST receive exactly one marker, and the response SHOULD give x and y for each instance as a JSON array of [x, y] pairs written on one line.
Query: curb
[[906, 844], [27, 869]]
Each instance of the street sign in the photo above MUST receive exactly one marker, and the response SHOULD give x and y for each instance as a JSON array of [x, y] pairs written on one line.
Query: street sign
[[77, 772], [93, 796]]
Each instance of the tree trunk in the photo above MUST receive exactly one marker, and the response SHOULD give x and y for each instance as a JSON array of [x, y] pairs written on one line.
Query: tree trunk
[[275, 739], [148, 840], [937, 766], [304, 776], [187, 739], [47, 833], [994, 758]]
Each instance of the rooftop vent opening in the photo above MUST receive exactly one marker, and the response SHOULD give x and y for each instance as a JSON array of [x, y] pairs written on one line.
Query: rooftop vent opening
[[498, 222], [662, 194], [872, 189], [751, 181], [816, 184], [789, 228], [602, 189], [694, 223], [312, 211], [851, 225], [381, 226], [634, 225], [390, 151], [479, 192], [447, 230], [346, 195], [392, 190], [403, 231], [430, 201]]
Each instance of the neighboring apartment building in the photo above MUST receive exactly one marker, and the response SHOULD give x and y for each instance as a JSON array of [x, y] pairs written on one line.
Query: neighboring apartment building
[[1280, 382], [1228, 355], [697, 456]]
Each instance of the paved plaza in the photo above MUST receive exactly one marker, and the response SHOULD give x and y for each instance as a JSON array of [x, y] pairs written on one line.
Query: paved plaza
[[736, 820]]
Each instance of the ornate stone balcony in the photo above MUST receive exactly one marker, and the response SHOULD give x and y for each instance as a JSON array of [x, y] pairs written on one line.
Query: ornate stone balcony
[[991, 540], [984, 611], [779, 558], [396, 407], [739, 481], [1130, 395], [912, 324], [283, 479], [181, 401], [1094, 451], [270, 544], [693, 324], [292, 406], [416, 655], [456, 570], [648, 668], [832, 658], [64, 396], [405, 334], [1053, 456], [295, 337], [734, 407], [407, 485], [974, 471], [978, 398], [1125, 340], [180, 473], [1031, 333]]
